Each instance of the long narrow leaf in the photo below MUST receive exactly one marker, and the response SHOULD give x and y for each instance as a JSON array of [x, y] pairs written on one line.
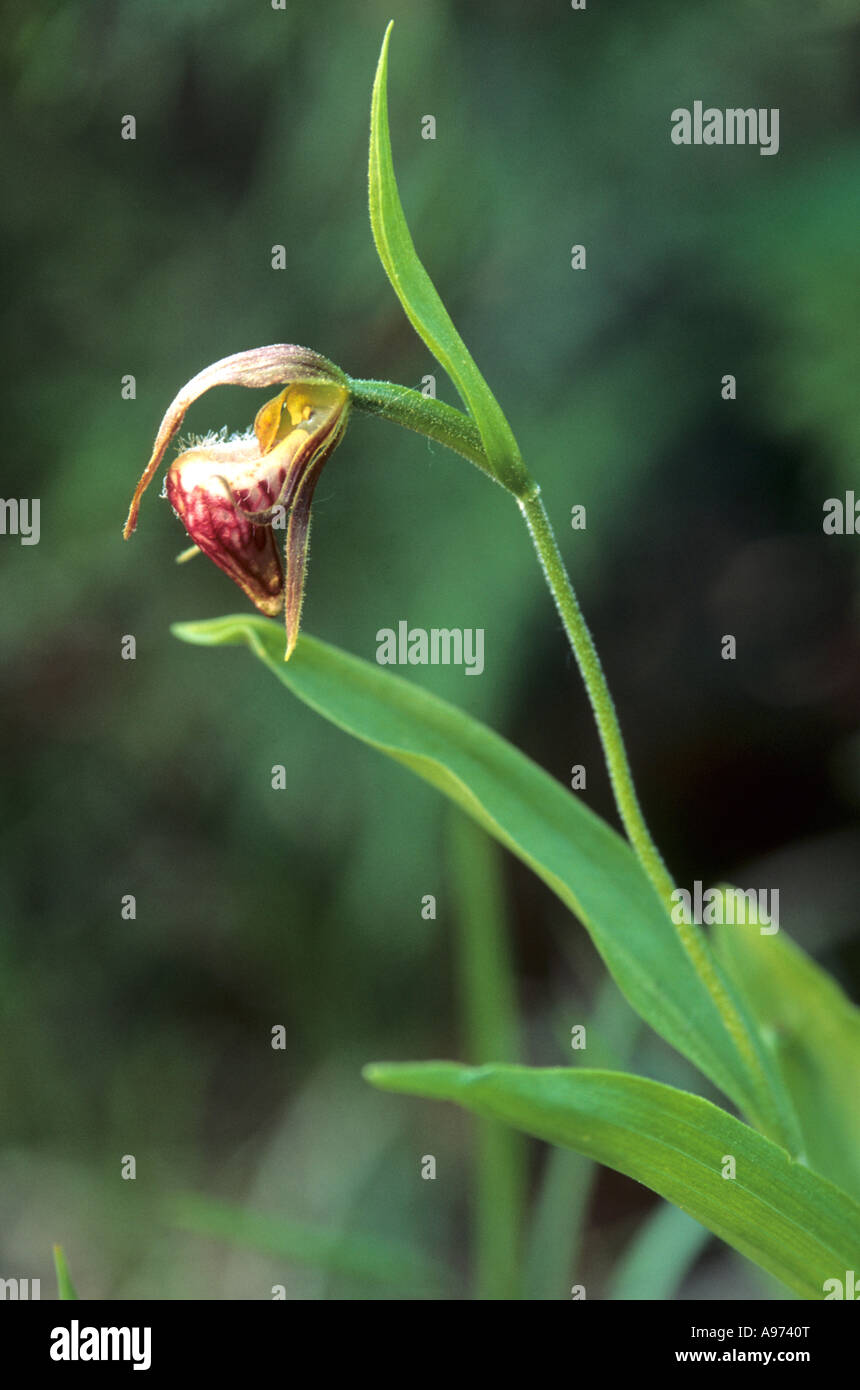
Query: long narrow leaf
[[787, 1219], [588, 865]]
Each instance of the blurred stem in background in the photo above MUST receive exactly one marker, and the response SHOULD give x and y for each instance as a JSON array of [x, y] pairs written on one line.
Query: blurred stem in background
[[356, 1255], [662, 1252], [489, 1013], [557, 1224]]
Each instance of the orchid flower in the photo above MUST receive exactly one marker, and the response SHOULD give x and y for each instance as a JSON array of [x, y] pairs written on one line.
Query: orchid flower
[[230, 494]]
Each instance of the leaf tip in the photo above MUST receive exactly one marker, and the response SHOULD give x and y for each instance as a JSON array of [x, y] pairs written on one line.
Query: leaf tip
[[187, 632], [374, 1073], [215, 632], [381, 78]]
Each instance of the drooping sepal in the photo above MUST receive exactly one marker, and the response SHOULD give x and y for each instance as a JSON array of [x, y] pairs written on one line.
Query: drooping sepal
[[278, 364]]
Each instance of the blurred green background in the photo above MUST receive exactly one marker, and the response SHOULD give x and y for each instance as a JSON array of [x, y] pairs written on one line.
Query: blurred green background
[[302, 907]]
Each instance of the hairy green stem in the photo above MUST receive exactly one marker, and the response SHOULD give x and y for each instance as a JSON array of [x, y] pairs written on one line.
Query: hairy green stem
[[451, 427], [620, 775], [615, 753], [423, 414]]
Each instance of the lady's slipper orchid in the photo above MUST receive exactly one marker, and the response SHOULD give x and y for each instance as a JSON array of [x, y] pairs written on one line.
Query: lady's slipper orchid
[[227, 493]]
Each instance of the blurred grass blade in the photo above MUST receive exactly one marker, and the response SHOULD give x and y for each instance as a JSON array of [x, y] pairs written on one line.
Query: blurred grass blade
[[419, 297], [557, 1227], [362, 1257], [486, 969], [815, 1033], [589, 866], [787, 1219], [660, 1254], [489, 1009], [65, 1287]]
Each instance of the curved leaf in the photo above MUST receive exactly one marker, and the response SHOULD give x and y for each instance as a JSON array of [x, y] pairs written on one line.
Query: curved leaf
[[419, 296], [588, 865], [787, 1219]]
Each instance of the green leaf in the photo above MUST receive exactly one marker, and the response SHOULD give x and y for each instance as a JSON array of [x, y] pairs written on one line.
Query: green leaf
[[588, 865], [65, 1287], [814, 1031], [362, 1257], [787, 1219], [419, 297]]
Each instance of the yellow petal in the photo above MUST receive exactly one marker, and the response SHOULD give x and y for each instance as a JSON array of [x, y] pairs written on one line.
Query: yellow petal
[[267, 425]]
